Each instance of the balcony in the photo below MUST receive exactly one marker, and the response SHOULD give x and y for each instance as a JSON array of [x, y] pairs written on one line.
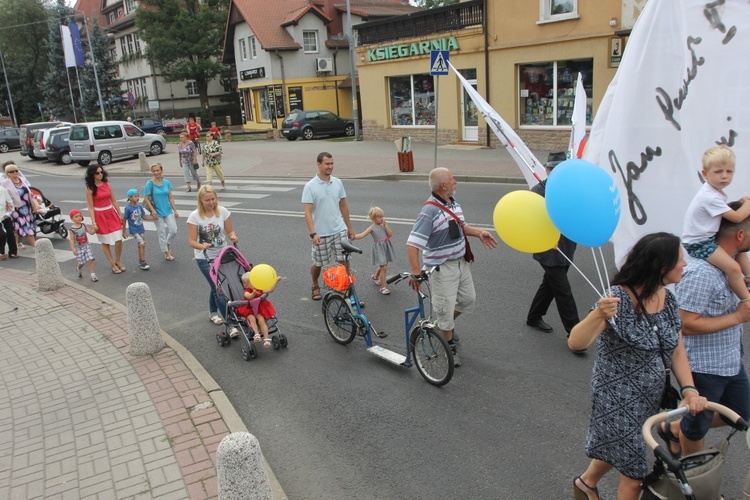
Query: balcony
[[429, 22]]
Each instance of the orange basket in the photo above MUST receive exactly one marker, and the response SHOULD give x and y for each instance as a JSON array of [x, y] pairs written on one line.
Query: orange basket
[[336, 278]]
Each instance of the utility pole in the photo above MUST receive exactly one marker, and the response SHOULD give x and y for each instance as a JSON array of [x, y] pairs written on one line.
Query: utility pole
[[353, 63]]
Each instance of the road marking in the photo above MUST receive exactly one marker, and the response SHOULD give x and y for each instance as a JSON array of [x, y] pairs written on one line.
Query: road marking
[[223, 195]]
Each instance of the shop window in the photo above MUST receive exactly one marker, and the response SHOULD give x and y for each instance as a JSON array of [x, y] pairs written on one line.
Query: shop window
[[264, 105], [251, 43], [310, 41], [412, 100], [547, 92], [243, 49], [557, 10]]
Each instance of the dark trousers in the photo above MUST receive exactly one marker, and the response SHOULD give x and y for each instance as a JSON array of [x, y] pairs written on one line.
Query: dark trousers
[[555, 285], [8, 236]]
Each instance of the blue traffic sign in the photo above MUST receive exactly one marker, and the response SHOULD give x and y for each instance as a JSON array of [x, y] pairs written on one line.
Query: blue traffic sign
[[439, 62]]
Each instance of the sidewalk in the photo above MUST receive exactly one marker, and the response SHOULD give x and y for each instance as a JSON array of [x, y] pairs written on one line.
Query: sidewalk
[[81, 418], [353, 160]]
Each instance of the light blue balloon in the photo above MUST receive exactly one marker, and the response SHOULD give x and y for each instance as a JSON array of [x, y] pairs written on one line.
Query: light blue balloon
[[583, 202]]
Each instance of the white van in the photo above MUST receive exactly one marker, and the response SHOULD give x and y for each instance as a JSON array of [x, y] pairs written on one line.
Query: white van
[[111, 140]]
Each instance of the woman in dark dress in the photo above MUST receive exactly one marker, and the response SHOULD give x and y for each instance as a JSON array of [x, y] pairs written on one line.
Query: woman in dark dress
[[637, 329]]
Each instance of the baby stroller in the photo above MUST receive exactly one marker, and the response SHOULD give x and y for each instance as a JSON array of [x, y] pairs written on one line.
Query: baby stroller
[[226, 271], [695, 476], [49, 221]]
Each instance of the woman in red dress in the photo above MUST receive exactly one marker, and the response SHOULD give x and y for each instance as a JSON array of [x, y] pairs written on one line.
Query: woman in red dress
[[105, 215]]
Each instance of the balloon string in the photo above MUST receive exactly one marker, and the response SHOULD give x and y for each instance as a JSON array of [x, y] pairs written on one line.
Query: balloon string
[[579, 272], [599, 272], [606, 274]]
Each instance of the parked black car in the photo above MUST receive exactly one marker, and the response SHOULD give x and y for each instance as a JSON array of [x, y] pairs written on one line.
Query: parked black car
[[309, 124], [9, 139], [150, 125], [58, 147]]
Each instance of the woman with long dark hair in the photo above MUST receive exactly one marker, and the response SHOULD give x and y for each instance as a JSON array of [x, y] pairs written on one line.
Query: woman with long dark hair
[[105, 215], [637, 329]]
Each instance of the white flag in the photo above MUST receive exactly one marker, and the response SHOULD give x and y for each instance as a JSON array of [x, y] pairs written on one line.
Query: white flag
[[681, 89], [533, 171], [67, 42], [579, 120]]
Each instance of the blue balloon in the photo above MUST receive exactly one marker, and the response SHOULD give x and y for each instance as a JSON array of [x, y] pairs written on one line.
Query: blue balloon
[[583, 202]]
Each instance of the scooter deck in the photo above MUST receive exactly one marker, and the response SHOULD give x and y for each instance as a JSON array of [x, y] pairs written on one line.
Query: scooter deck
[[390, 356]]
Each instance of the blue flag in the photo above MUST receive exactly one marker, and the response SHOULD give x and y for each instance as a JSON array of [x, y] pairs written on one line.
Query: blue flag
[[75, 35]]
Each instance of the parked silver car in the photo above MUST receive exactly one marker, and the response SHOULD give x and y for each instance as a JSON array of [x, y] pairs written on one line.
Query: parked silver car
[[105, 141]]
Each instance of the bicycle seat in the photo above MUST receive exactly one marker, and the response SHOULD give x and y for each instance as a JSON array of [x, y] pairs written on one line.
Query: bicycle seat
[[348, 247]]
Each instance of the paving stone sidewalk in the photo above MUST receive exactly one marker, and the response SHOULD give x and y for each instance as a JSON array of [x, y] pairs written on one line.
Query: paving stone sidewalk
[[82, 418]]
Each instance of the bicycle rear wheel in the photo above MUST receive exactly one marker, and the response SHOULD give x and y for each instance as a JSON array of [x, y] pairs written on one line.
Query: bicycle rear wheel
[[338, 317], [432, 355]]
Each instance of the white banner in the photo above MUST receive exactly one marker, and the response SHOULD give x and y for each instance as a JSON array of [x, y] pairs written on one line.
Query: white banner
[[579, 120], [533, 171], [681, 88], [67, 43]]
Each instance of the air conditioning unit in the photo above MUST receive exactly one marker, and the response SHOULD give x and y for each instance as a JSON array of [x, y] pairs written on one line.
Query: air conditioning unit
[[323, 64]]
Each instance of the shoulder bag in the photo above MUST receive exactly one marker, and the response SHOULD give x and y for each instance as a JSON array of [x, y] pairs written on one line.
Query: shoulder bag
[[469, 256]]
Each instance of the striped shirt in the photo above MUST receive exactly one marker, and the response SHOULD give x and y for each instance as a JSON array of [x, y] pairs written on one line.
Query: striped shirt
[[705, 290], [431, 233]]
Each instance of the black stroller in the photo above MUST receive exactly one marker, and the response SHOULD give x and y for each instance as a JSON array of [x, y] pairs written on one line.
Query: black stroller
[[50, 221], [226, 271], [695, 476]]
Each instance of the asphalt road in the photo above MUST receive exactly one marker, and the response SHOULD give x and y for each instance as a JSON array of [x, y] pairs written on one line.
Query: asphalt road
[[335, 422]]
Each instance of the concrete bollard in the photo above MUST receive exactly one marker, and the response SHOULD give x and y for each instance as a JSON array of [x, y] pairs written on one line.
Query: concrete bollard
[[240, 469], [144, 164], [227, 135], [49, 276], [143, 326], [228, 120]]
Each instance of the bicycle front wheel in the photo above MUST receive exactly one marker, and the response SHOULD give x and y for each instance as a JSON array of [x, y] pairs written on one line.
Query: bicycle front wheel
[[339, 318], [432, 355]]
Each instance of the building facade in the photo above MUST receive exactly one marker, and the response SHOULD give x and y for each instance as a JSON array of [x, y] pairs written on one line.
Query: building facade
[[522, 57], [151, 95], [294, 54]]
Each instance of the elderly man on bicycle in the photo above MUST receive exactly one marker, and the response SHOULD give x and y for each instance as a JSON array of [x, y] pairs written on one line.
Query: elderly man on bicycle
[[441, 232]]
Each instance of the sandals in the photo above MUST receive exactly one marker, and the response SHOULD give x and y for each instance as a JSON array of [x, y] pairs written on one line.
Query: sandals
[[665, 433], [120, 266], [116, 270], [234, 332], [188, 189], [385, 291], [579, 494], [169, 256], [256, 338], [375, 279], [217, 320], [316, 293], [266, 343]]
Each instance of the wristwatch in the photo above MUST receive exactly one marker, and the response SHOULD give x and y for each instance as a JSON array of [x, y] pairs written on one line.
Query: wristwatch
[[312, 235]]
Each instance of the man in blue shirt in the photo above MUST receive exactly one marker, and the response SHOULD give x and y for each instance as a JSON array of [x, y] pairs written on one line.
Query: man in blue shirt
[[712, 318], [327, 218]]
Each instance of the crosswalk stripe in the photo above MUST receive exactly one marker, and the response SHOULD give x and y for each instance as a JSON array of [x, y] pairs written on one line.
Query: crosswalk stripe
[[223, 195]]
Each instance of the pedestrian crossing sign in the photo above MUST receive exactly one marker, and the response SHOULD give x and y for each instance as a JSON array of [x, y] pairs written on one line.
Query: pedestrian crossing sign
[[439, 62]]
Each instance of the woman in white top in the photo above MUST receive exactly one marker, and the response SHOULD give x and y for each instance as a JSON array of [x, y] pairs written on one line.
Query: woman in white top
[[209, 227]]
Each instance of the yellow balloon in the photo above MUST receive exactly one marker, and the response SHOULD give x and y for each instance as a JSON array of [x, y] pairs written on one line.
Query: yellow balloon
[[263, 277], [521, 220]]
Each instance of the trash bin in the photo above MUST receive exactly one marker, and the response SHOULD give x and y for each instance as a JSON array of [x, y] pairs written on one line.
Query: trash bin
[[405, 155]]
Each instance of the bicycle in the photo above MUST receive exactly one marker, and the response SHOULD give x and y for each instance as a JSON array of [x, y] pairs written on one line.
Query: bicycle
[[423, 342]]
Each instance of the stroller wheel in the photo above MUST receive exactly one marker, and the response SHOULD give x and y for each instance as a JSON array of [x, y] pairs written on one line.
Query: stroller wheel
[[248, 352], [282, 340], [62, 231], [220, 340], [275, 343]]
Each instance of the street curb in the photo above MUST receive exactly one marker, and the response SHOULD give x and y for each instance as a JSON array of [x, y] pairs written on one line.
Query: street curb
[[221, 401]]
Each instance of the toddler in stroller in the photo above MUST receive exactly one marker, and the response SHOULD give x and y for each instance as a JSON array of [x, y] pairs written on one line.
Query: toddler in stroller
[[257, 310], [227, 271], [47, 218]]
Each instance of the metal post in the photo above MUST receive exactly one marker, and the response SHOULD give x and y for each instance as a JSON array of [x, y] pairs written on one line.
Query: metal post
[[7, 86], [93, 62], [437, 98], [353, 64]]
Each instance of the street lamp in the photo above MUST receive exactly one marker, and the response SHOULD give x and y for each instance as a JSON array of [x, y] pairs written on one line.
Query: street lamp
[[93, 62]]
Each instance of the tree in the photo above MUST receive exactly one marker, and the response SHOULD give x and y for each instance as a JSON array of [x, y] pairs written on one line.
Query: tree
[[23, 42], [184, 39], [106, 70], [58, 84], [431, 4]]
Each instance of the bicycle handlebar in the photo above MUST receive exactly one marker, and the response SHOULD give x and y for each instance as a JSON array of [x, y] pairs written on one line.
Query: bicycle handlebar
[[424, 275]]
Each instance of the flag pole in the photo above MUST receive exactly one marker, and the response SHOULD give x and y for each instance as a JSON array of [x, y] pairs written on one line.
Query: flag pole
[[80, 94], [72, 101]]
